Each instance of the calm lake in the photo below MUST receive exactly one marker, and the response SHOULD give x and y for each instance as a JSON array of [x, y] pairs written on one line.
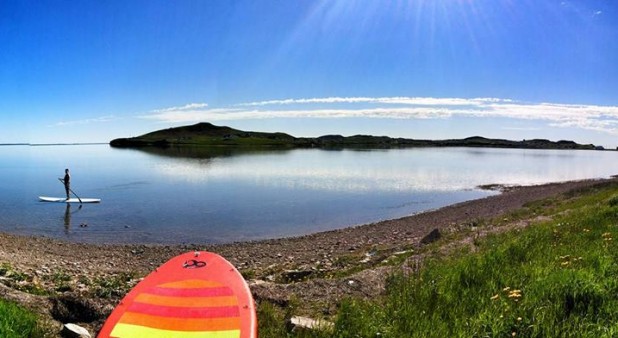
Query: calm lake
[[167, 196]]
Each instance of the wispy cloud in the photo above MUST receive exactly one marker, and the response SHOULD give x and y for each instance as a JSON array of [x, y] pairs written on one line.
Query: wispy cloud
[[521, 128], [429, 101], [101, 119], [590, 117], [186, 107], [189, 115]]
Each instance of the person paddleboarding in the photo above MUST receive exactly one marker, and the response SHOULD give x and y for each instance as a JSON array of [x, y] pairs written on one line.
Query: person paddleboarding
[[67, 182]]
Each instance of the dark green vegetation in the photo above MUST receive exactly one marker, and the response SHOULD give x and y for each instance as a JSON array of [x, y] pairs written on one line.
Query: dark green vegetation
[[206, 134], [16, 322], [554, 278]]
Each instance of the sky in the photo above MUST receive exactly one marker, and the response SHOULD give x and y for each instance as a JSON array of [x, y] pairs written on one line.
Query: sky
[[92, 71]]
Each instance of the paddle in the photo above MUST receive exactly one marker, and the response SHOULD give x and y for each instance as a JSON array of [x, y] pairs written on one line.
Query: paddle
[[80, 200]]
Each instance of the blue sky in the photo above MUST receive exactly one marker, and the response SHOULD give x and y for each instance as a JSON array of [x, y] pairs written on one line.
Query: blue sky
[[91, 71]]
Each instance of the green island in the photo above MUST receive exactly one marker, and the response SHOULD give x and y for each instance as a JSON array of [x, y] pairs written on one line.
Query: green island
[[207, 134]]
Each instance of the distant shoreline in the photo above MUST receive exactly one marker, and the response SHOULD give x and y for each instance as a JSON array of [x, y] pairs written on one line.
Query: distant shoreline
[[207, 134]]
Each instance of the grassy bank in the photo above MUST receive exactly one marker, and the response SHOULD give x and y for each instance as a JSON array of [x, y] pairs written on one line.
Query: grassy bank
[[17, 322], [556, 278]]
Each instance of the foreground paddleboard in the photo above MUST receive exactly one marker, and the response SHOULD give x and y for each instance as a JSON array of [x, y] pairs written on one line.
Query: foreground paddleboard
[[192, 295], [70, 200]]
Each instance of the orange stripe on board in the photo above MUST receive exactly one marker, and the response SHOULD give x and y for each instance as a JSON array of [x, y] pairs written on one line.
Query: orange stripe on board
[[218, 291], [184, 312], [191, 283], [189, 324], [186, 301]]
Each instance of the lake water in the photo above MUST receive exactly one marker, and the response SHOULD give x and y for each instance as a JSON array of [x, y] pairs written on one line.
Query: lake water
[[167, 196]]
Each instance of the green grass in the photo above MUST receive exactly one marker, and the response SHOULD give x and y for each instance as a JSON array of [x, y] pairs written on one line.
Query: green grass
[[16, 322], [553, 279]]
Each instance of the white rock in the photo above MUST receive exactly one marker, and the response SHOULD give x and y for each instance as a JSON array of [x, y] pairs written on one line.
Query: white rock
[[308, 323], [74, 331]]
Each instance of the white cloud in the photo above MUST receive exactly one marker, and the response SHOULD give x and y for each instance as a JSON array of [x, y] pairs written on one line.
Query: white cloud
[[186, 115], [590, 117], [387, 100], [107, 118], [521, 128], [186, 107]]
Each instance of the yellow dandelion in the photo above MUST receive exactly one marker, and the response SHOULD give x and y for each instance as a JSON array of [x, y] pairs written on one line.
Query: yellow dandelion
[[515, 294]]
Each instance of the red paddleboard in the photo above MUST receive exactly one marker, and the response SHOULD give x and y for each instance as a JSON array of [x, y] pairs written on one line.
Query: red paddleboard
[[196, 294]]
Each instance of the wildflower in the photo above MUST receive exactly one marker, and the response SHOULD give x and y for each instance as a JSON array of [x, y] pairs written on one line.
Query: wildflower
[[514, 334], [496, 296], [515, 294], [586, 230], [519, 319], [565, 263], [506, 289]]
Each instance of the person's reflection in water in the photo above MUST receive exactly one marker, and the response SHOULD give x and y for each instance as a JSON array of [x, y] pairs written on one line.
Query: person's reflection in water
[[67, 218]]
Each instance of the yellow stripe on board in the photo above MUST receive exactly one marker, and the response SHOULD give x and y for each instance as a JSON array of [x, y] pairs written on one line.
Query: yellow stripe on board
[[187, 324], [186, 301], [134, 331], [191, 284]]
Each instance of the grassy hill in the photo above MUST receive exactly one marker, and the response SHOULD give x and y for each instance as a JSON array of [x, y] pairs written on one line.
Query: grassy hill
[[207, 134]]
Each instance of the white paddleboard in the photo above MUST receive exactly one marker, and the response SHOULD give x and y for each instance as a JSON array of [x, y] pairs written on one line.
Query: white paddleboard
[[70, 200]]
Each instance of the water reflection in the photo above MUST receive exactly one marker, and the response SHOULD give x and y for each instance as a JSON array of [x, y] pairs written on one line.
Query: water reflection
[[354, 171], [206, 152], [68, 215], [228, 194], [304, 176]]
